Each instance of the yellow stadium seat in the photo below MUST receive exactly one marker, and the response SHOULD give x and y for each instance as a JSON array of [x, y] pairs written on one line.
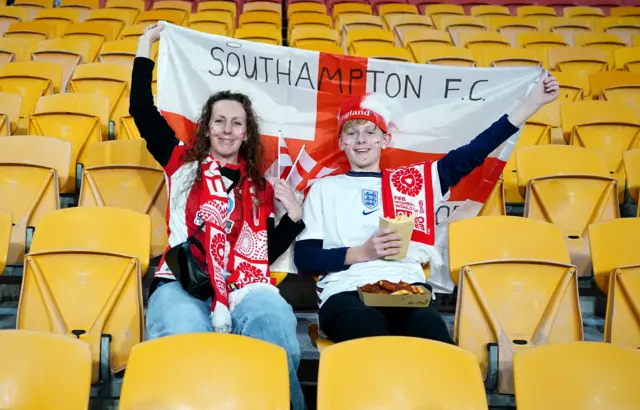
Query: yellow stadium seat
[[495, 203], [309, 19], [623, 27], [540, 41], [619, 87], [306, 7], [66, 52], [575, 59], [111, 80], [605, 41], [626, 11], [351, 8], [601, 376], [5, 238], [443, 55], [93, 32], [632, 169], [177, 17], [263, 365], [31, 170], [9, 113], [95, 254], [510, 26], [616, 269], [516, 290], [390, 9], [627, 59], [456, 25], [84, 7], [118, 52], [512, 57], [573, 87], [485, 10], [323, 47], [383, 51], [126, 126], [608, 127], [75, 117], [12, 50], [212, 22], [133, 31], [59, 17], [535, 11], [225, 7], [349, 379], [122, 174], [44, 371], [260, 17], [11, 15], [31, 32], [568, 26], [443, 9], [571, 187], [347, 22], [483, 40], [402, 23], [313, 34], [33, 6], [132, 7], [180, 5], [368, 36], [582, 11], [538, 130], [117, 19], [260, 34], [32, 80], [263, 6], [417, 40]]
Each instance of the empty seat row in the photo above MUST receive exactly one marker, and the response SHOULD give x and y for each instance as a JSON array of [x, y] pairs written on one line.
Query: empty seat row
[[348, 378]]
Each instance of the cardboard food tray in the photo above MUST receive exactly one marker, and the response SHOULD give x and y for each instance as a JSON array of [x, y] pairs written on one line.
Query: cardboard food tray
[[376, 300]]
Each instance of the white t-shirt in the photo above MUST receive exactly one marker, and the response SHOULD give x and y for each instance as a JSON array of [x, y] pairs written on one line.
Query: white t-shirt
[[344, 211]]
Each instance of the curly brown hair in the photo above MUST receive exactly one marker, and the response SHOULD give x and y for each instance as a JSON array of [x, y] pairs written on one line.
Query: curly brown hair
[[251, 150]]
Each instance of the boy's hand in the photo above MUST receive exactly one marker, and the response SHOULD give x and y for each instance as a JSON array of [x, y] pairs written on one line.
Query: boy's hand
[[284, 194], [382, 243]]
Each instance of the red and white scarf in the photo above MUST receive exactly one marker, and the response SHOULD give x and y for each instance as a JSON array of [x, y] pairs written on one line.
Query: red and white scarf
[[409, 191], [248, 258]]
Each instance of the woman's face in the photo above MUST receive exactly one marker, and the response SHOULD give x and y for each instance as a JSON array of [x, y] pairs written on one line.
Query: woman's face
[[227, 130]]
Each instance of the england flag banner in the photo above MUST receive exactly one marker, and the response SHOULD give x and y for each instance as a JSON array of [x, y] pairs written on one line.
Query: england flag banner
[[297, 95]]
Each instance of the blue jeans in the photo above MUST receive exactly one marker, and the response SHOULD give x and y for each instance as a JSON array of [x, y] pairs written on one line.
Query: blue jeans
[[261, 315]]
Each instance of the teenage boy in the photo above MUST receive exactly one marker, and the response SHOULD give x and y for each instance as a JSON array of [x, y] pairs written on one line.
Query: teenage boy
[[342, 242]]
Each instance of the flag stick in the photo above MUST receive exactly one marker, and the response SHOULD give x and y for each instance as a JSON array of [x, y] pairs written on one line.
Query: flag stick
[[279, 145], [293, 167]]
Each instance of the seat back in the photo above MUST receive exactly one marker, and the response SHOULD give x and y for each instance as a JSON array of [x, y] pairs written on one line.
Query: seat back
[[224, 7], [540, 41], [132, 7], [95, 33], [627, 59], [118, 51], [31, 31], [75, 117], [44, 371], [495, 203], [83, 7], [567, 27], [512, 57], [571, 59], [32, 169], [510, 26], [611, 128], [59, 17], [485, 10], [260, 17], [260, 34], [9, 113], [214, 22], [427, 37], [402, 23], [605, 41], [111, 80], [349, 379], [117, 19], [443, 55], [571, 188], [631, 161], [263, 365], [12, 50], [123, 174], [11, 15], [599, 373], [483, 40], [5, 237], [583, 11], [98, 268], [383, 52], [33, 6], [304, 34], [457, 25], [180, 5], [505, 265], [66, 52], [176, 17]]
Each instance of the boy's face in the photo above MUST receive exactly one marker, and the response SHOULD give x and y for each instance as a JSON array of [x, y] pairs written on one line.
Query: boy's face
[[363, 143]]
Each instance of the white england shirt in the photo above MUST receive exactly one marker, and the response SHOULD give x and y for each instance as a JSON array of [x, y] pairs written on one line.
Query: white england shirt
[[344, 211]]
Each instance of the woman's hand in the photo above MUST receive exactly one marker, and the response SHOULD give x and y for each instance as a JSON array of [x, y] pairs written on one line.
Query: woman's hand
[[544, 92], [150, 35], [285, 194]]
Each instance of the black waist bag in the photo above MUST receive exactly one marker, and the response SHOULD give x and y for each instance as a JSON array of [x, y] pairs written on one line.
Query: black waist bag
[[184, 266]]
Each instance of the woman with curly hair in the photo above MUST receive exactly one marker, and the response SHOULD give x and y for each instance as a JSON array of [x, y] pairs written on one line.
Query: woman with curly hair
[[217, 195]]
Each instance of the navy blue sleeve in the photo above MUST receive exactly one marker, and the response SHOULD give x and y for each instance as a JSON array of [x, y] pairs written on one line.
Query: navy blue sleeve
[[310, 257], [460, 162]]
